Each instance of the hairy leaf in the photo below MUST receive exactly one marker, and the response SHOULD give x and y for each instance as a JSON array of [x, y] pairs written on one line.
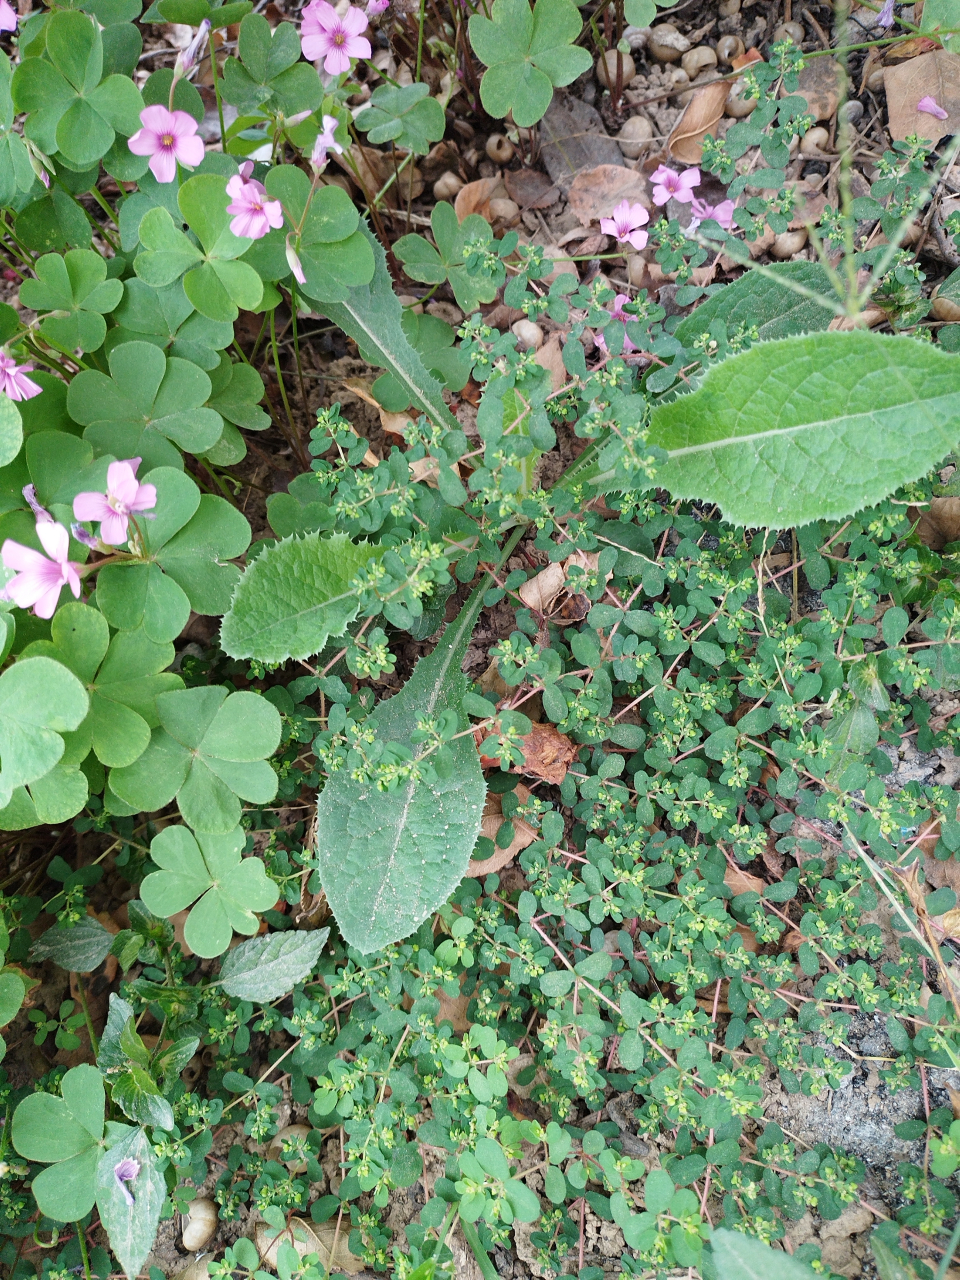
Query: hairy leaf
[[810, 428], [266, 968], [131, 1227], [741, 1257], [388, 859]]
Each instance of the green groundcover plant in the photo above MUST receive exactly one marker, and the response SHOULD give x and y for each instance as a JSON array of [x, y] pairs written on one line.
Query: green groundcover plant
[[709, 716]]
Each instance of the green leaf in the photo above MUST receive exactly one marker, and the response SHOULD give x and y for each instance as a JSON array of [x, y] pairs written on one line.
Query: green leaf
[[527, 55], [11, 431], [76, 284], [147, 402], [889, 1266], [209, 753], [39, 701], [430, 265], [294, 597], [810, 428], [78, 948], [433, 339], [210, 868], [388, 859], [236, 392], [267, 968], [139, 1097], [405, 115], [167, 318], [894, 625], [737, 1256], [12, 991], [371, 315], [269, 74], [66, 1130], [131, 1228]]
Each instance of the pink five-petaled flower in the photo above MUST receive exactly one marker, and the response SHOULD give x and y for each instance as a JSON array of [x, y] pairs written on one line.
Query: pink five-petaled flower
[[617, 313], [167, 137], [125, 1171], [39, 581], [125, 495], [722, 213], [324, 34], [8, 17], [626, 219], [255, 213], [14, 381], [373, 9], [931, 107], [324, 143], [670, 185]]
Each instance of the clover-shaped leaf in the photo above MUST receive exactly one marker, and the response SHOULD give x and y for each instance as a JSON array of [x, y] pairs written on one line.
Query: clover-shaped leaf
[[421, 261], [40, 700], [216, 284], [334, 253], [70, 110], [184, 550], [16, 171], [210, 752], [122, 677], [237, 390], [192, 12], [167, 318], [269, 75], [527, 53], [65, 1133], [210, 868], [147, 401], [76, 287], [405, 115], [433, 338]]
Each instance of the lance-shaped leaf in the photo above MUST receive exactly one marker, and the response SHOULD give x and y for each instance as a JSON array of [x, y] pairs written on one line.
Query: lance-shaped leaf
[[210, 868], [210, 752], [216, 284], [132, 1228], [167, 318], [737, 1256], [269, 74], [810, 428], [40, 700], [122, 677], [69, 109], [75, 284], [186, 548], [147, 401], [65, 1133], [371, 314], [387, 859], [294, 597]]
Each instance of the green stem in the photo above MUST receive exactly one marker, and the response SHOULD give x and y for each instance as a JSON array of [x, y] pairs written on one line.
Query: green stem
[[420, 38], [94, 1042], [948, 1254], [487, 1268], [294, 437], [82, 1239], [98, 196], [216, 91]]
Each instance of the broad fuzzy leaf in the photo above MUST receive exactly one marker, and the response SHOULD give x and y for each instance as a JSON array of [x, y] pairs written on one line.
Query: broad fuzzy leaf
[[777, 310], [294, 597], [810, 428], [740, 1257], [388, 859], [371, 316], [266, 968], [131, 1227], [78, 948]]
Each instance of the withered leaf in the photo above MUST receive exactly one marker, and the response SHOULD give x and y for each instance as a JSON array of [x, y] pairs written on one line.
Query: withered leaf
[[700, 117], [935, 75]]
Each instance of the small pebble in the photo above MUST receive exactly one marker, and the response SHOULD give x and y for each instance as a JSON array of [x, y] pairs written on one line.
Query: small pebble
[[851, 111], [633, 137], [787, 243], [737, 105], [505, 211], [727, 8], [814, 141], [201, 1224], [789, 31], [728, 48], [447, 186], [876, 82], [944, 309], [529, 335]]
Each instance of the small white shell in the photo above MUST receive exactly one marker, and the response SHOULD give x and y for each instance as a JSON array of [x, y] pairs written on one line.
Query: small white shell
[[200, 1225], [275, 1146]]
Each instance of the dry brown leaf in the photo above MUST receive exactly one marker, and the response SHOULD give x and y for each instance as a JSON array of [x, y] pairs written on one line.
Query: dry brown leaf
[[530, 188], [442, 158], [547, 754], [490, 823], [867, 319], [937, 524], [748, 937], [362, 389], [373, 169], [949, 922], [550, 357], [909, 49], [426, 469], [745, 59], [954, 1102], [741, 881], [321, 1238], [491, 681], [811, 202], [821, 83], [935, 75], [595, 193], [475, 197], [394, 424], [700, 117], [540, 592], [453, 1009]]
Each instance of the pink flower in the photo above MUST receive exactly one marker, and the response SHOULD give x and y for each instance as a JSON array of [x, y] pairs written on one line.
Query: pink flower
[[246, 169], [293, 262], [13, 378], [167, 137], [255, 212], [324, 143], [722, 213], [113, 509], [885, 16], [8, 17], [673, 185], [187, 59], [324, 34], [930, 107], [626, 218], [618, 313], [124, 1172], [373, 9], [39, 581]]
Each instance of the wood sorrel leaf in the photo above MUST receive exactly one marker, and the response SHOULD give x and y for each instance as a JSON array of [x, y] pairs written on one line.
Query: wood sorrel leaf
[[387, 859], [810, 428]]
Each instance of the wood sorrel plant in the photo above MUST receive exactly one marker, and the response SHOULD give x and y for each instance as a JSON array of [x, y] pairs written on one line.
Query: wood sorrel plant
[[709, 719]]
